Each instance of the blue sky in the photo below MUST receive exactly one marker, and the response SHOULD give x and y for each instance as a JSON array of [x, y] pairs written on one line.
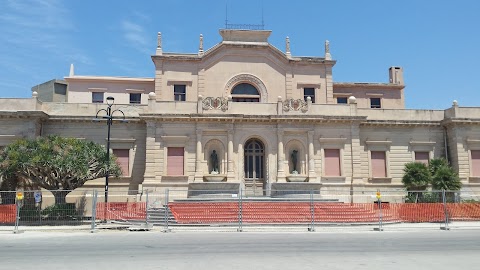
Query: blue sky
[[436, 42]]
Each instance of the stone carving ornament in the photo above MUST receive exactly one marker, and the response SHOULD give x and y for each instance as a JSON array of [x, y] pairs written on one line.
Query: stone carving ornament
[[218, 103], [295, 105]]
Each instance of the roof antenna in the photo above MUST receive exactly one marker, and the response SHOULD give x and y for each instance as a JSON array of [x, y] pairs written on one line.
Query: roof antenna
[[226, 15], [263, 25]]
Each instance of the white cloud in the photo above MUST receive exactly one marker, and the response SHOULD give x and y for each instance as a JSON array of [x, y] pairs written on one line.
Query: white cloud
[[42, 28], [36, 42], [136, 36]]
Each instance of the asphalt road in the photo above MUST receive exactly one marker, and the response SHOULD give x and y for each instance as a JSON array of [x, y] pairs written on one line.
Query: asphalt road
[[254, 250]]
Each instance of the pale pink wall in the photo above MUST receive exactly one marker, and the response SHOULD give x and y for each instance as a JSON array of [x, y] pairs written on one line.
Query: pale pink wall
[[210, 76], [390, 98], [80, 90]]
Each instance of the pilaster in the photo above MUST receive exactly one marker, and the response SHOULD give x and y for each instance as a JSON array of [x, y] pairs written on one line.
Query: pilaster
[[199, 157], [152, 152], [311, 156], [230, 169], [281, 177]]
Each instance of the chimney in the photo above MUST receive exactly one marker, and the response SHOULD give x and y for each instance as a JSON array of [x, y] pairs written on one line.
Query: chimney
[[396, 75]]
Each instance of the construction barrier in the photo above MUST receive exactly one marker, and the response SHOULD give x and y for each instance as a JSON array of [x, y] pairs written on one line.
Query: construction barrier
[[121, 211], [8, 213]]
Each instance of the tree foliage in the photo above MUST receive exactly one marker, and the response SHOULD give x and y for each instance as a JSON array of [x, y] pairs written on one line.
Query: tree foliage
[[438, 173], [54, 163], [444, 176], [417, 176]]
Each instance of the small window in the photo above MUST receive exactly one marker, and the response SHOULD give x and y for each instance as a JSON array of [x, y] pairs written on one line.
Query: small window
[[342, 100], [309, 92], [180, 92], [135, 98], [375, 103], [97, 97]]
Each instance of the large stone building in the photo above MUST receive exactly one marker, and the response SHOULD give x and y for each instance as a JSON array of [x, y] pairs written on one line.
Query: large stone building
[[275, 121]]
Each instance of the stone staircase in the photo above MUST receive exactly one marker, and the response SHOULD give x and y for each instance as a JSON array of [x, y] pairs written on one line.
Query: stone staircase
[[157, 216]]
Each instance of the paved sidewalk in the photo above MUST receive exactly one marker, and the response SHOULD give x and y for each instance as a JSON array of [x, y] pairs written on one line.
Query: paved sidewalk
[[251, 227]]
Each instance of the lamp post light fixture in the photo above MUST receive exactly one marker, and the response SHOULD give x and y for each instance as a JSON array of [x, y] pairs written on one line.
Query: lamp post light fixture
[[109, 117]]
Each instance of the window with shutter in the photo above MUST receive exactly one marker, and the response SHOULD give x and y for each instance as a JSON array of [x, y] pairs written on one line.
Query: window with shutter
[[422, 157], [175, 160], [378, 160], [123, 160], [475, 162], [332, 162]]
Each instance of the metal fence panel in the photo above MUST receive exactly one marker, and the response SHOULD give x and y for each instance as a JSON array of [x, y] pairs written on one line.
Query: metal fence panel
[[42, 210], [121, 208], [463, 209], [174, 208]]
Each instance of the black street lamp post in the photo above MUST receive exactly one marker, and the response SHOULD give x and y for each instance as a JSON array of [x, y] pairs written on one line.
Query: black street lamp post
[[109, 117]]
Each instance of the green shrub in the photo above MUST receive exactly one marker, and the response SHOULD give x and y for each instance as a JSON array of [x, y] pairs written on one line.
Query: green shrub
[[28, 213], [60, 211]]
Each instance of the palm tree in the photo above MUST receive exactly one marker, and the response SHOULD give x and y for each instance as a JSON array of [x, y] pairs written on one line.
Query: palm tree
[[444, 177], [416, 178]]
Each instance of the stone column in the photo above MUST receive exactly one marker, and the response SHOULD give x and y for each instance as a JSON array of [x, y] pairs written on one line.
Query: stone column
[[280, 158], [230, 170], [152, 152], [311, 158], [199, 158]]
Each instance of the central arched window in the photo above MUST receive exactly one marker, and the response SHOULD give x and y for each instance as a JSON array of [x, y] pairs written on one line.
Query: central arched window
[[245, 92]]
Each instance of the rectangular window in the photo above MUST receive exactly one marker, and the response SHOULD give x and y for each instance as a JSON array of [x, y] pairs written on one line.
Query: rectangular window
[[135, 98], [375, 103], [475, 162], [175, 160], [342, 100], [123, 160], [309, 92], [332, 162], [379, 165], [180, 92], [97, 97], [422, 157]]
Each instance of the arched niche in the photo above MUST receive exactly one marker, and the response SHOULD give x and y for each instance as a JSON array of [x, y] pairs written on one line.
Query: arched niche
[[301, 156], [219, 148]]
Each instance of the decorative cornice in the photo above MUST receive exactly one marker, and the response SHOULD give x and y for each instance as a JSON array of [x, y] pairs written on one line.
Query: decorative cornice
[[368, 85], [385, 142], [473, 141], [109, 79], [422, 143], [175, 139], [332, 140]]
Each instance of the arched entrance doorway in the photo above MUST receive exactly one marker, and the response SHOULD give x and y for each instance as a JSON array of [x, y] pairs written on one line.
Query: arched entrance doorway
[[254, 166]]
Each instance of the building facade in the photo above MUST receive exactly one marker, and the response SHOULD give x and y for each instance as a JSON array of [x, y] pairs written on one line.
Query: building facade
[[246, 113]]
